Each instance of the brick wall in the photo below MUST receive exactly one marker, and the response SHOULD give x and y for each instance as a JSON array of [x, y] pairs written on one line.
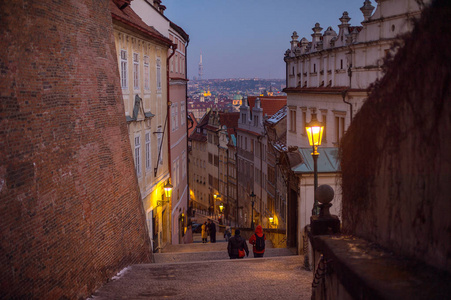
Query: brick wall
[[396, 155], [70, 210]]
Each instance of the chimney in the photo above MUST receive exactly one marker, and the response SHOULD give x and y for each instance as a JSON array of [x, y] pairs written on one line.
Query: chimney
[[156, 4], [316, 36], [294, 41], [367, 10]]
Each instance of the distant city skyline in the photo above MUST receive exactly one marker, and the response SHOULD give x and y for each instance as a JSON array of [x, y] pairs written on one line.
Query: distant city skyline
[[248, 39]]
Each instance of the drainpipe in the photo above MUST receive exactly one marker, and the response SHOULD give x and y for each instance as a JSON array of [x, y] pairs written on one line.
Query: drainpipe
[[345, 92], [174, 48], [260, 138], [187, 127], [168, 107]]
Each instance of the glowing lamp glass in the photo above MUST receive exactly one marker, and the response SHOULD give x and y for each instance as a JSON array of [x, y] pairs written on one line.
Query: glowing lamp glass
[[315, 131], [168, 190]]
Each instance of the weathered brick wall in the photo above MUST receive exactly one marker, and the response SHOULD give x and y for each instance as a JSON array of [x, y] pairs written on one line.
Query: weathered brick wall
[[396, 156], [70, 210]]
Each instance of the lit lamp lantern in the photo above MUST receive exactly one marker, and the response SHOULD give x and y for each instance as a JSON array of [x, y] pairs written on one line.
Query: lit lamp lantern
[[221, 207], [271, 220], [167, 192], [315, 131]]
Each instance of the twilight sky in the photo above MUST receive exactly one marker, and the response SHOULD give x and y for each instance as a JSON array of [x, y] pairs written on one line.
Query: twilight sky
[[248, 38]]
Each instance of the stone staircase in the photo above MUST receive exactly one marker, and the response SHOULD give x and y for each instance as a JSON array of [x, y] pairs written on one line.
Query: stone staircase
[[204, 252]]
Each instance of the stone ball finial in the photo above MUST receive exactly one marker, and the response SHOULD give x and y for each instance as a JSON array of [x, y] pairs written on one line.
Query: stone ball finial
[[325, 193]]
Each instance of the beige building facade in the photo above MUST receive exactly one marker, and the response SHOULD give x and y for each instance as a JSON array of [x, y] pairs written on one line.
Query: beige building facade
[[142, 54]]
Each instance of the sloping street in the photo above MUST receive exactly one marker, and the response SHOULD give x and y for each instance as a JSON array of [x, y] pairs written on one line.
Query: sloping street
[[203, 271]]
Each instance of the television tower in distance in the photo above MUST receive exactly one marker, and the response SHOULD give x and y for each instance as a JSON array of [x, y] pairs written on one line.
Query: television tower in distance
[[201, 68]]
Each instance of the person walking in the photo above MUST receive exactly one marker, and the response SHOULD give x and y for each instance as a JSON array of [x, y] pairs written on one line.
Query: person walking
[[227, 234], [204, 232], [237, 246], [212, 231], [258, 241]]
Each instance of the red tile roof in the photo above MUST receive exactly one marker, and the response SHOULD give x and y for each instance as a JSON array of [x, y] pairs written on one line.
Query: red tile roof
[[129, 17], [269, 104], [229, 119], [193, 118], [249, 131]]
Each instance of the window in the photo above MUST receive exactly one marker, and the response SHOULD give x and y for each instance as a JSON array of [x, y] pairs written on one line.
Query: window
[[245, 143], [148, 156], [292, 120], [304, 121], [314, 68], [158, 74], [175, 172], [210, 158], [137, 154], [339, 127], [324, 120], [176, 63], [216, 158], [176, 116], [341, 64], [182, 114], [256, 121], [146, 73], [178, 171], [173, 117], [252, 146], [135, 71], [183, 164], [124, 84], [243, 118]]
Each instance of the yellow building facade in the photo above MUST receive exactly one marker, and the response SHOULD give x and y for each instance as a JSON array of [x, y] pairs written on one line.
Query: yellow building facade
[[142, 55]]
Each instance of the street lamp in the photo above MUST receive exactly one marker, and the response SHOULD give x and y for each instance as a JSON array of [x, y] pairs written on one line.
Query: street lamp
[[221, 207], [252, 195], [315, 131], [167, 192]]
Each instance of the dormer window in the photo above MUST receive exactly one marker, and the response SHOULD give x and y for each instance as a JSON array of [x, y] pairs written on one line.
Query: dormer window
[[256, 121], [243, 118]]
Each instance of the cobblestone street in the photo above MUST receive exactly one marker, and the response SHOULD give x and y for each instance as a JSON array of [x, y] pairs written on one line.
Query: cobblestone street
[[203, 271]]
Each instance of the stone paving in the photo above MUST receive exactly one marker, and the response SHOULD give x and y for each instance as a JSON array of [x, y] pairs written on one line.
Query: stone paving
[[203, 271]]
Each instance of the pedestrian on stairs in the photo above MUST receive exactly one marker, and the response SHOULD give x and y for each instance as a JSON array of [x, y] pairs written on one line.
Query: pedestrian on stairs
[[204, 232], [258, 241], [237, 246]]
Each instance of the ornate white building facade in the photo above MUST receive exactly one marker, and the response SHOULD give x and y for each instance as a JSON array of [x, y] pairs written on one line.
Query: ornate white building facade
[[330, 75]]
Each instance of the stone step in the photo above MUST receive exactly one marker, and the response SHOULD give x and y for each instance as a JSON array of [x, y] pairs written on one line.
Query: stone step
[[175, 257]]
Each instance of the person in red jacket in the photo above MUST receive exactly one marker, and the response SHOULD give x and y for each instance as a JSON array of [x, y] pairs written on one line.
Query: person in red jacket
[[258, 241]]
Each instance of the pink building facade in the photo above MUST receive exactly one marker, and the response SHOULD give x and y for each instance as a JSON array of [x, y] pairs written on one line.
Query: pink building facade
[[178, 137]]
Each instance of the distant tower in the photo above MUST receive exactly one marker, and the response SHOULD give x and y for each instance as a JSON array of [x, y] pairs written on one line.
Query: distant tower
[[201, 68]]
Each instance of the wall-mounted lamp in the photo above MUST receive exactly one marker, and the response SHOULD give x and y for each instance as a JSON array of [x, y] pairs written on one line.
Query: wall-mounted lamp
[[221, 207], [167, 192], [271, 220]]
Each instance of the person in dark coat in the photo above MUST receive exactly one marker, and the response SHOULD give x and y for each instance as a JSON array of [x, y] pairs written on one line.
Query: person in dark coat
[[212, 231], [235, 244]]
